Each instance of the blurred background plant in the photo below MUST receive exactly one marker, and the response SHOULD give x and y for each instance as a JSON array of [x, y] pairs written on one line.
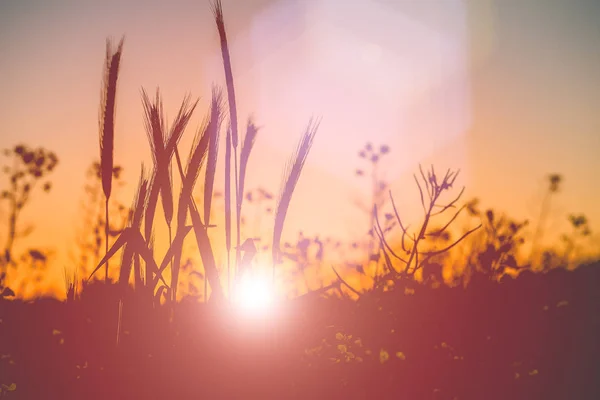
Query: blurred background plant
[[26, 169], [371, 157], [573, 241], [554, 182]]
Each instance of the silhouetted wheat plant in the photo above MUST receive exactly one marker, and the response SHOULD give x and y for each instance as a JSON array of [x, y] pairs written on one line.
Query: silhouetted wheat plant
[[138, 247], [107, 124], [218, 14], [290, 179]]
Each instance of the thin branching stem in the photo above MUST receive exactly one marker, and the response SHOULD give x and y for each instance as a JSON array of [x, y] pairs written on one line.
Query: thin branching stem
[[382, 239], [343, 282]]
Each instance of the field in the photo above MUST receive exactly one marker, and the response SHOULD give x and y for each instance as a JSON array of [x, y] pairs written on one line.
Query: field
[[534, 337]]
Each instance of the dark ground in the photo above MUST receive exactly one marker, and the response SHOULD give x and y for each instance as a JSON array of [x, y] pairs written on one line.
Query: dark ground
[[534, 337]]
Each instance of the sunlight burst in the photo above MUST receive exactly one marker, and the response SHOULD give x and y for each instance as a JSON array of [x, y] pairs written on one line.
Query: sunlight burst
[[254, 295]]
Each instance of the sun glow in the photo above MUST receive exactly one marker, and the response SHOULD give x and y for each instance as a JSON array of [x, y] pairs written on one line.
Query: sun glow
[[254, 295]]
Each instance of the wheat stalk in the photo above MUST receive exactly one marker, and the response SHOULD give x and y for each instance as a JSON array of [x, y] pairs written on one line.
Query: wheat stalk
[[216, 118], [162, 148], [188, 180], [248, 144], [218, 14], [291, 176], [107, 125], [228, 205]]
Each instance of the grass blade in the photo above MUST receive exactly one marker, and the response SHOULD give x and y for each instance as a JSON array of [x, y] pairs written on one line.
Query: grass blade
[[125, 237], [206, 253], [174, 249], [135, 223]]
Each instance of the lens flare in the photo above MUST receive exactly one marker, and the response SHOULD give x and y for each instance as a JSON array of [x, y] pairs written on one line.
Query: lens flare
[[254, 295]]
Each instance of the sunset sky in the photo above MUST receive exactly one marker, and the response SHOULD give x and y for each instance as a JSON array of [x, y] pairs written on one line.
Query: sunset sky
[[506, 91]]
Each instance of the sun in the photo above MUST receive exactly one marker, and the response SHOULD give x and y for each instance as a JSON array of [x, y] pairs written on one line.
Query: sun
[[254, 295]]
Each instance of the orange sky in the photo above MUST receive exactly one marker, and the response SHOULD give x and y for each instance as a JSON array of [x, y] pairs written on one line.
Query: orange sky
[[505, 91]]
